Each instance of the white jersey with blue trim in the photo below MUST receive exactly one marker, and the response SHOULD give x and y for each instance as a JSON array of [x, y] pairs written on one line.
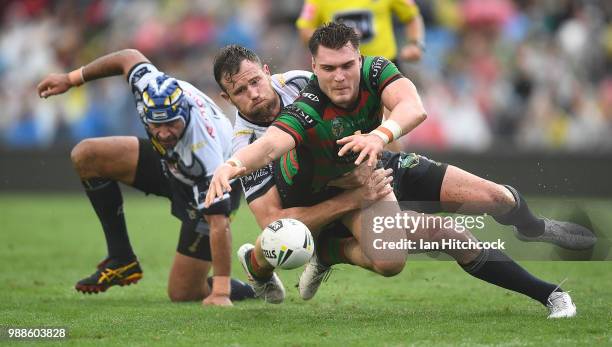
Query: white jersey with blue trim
[[205, 143], [288, 86]]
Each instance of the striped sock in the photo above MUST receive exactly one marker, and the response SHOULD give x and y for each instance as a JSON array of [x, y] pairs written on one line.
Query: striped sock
[[255, 269]]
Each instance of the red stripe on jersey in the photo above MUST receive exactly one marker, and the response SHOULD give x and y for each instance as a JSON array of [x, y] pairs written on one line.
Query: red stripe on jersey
[[294, 162], [387, 82], [296, 136]]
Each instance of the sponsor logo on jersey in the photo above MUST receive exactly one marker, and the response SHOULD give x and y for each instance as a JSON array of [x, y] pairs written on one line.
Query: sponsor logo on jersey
[[305, 120], [243, 132], [275, 226], [337, 127], [377, 67], [198, 145], [255, 178], [311, 96]]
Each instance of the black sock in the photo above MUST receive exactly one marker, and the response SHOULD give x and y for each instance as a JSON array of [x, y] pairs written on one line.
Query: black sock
[[106, 199], [495, 267], [521, 217], [240, 290]]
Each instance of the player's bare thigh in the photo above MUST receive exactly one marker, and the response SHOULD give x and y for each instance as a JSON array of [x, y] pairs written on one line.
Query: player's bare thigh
[[187, 280], [360, 222], [475, 194], [113, 157]]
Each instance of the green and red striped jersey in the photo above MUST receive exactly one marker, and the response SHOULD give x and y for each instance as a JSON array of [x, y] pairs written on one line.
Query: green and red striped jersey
[[315, 124]]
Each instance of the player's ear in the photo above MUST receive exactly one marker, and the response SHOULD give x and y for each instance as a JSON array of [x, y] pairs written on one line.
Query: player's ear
[[266, 69], [225, 96], [313, 63]]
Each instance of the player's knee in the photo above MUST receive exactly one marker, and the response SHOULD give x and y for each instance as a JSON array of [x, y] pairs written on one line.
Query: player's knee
[[82, 155], [389, 268], [183, 295]]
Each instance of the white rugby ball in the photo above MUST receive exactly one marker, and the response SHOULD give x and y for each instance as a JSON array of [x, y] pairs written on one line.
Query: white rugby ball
[[287, 243]]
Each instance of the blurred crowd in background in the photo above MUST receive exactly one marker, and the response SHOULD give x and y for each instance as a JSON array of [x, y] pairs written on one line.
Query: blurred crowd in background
[[496, 75]]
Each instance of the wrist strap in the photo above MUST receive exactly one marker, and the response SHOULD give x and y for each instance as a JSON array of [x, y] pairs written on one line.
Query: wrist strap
[[76, 77], [392, 126], [388, 131], [381, 134]]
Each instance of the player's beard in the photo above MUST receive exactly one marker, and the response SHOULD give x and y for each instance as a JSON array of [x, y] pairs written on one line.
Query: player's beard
[[264, 112], [169, 143]]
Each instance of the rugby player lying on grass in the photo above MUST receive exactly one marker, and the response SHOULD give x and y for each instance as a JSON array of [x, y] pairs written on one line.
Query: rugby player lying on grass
[[189, 137], [247, 84]]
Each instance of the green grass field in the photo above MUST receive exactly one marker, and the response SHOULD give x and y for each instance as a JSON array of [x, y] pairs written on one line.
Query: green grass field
[[47, 242]]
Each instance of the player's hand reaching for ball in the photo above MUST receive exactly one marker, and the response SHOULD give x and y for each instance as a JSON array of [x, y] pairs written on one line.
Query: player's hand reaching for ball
[[53, 84], [220, 183], [367, 145]]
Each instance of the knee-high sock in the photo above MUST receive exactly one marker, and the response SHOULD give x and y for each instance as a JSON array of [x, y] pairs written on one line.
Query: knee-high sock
[[521, 217], [495, 267], [105, 197]]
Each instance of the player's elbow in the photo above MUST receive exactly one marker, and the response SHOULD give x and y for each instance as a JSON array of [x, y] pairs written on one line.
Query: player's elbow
[[422, 117], [131, 57]]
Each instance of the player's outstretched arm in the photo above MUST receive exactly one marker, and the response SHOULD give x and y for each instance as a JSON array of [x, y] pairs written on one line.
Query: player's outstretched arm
[[406, 113], [260, 153], [113, 64]]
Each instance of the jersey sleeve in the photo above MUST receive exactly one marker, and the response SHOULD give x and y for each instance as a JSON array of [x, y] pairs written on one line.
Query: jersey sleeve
[[380, 72], [294, 121], [405, 10], [310, 17]]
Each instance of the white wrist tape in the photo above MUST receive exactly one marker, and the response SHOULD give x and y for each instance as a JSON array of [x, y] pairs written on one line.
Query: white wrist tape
[[395, 128], [76, 77], [380, 134]]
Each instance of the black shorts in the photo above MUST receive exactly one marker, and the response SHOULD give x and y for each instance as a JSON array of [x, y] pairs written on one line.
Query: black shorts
[[152, 178], [417, 181]]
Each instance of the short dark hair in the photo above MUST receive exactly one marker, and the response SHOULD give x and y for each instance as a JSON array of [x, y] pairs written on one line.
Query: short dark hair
[[228, 60], [332, 35]]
